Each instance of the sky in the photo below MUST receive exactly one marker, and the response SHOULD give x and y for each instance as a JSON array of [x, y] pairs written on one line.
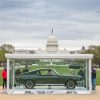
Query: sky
[[28, 23]]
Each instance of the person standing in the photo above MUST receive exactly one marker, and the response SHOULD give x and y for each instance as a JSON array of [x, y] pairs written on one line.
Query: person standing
[[93, 78], [81, 73], [18, 71], [4, 77], [25, 69]]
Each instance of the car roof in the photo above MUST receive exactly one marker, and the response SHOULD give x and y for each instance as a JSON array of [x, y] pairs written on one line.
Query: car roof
[[39, 69], [44, 69]]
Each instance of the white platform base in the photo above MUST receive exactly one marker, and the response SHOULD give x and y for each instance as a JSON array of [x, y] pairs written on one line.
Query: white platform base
[[57, 90], [47, 92]]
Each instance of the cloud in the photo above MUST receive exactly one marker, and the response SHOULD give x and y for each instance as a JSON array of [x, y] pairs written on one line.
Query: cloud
[[25, 20]]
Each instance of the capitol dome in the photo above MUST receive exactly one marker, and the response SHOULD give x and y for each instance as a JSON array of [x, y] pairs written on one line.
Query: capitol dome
[[52, 43], [52, 46], [52, 40]]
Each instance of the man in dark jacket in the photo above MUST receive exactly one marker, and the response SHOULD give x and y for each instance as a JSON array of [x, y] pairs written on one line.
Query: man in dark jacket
[[81, 73], [25, 69], [93, 78]]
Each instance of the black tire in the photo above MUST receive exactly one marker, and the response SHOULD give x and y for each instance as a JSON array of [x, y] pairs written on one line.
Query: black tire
[[29, 84], [70, 84]]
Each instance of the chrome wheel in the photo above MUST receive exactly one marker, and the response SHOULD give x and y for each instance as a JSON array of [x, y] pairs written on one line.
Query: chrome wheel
[[70, 84], [29, 84]]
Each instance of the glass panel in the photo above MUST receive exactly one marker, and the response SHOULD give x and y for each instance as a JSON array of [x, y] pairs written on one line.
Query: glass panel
[[27, 73]]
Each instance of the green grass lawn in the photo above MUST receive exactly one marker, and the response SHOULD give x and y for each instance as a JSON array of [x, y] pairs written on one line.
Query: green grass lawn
[[98, 77], [60, 69], [0, 78]]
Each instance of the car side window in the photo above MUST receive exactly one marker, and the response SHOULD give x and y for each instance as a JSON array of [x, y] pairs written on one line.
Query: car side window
[[38, 73], [50, 72], [44, 72]]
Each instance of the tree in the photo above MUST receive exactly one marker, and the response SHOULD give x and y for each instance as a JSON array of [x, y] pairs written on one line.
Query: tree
[[8, 47], [5, 48], [95, 50], [2, 56]]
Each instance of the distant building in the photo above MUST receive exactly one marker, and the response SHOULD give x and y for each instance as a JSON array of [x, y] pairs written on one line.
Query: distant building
[[75, 52], [22, 51], [52, 46]]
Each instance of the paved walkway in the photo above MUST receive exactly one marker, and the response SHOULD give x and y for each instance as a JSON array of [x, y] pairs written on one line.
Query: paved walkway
[[95, 96]]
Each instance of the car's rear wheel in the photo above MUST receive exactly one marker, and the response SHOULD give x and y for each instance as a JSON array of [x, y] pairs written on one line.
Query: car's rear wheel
[[70, 84], [29, 84]]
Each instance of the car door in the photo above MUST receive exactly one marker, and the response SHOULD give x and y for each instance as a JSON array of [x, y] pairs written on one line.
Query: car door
[[54, 78], [42, 77]]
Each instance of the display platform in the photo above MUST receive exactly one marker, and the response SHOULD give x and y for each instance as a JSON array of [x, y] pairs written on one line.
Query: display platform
[[48, 90], [72, 72]]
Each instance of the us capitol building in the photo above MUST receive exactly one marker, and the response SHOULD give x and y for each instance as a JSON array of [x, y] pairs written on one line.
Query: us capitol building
[[52, 47]]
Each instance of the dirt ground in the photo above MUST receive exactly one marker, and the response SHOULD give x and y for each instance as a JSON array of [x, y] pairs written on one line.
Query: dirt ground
[[95, 96]]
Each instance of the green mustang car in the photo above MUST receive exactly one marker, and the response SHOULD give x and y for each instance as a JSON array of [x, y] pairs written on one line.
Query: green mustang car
[[47, 76]]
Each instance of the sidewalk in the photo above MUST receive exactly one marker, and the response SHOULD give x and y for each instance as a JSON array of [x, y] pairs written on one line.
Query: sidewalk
[[95, 96]]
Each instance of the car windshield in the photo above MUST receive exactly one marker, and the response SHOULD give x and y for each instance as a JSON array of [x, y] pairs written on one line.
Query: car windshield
[[56, 73]]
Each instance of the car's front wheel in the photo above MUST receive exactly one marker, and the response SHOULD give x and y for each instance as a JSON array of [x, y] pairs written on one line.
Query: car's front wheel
[[29, 84], [70, 84]]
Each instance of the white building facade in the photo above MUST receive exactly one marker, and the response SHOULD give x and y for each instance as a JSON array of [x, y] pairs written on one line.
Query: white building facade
[[52, 46]]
